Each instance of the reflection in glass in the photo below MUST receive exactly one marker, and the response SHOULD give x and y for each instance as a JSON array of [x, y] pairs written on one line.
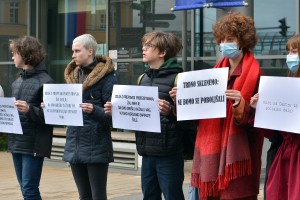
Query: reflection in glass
[[67, 20], [13, 24], [132, 19], [273, 32]]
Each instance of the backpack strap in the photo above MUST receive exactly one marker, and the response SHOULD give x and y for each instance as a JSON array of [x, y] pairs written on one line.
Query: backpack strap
[[175, 80], [140, 79], [142, 75]]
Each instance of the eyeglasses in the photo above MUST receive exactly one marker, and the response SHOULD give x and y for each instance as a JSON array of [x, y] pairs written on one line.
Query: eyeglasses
[[146, 46]]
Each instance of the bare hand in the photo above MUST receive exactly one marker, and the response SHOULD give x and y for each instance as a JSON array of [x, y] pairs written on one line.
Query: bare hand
[[87, 107], [235, 96], [254, 100], [22, 106], [164, 107], [107, 108], [173, 93]]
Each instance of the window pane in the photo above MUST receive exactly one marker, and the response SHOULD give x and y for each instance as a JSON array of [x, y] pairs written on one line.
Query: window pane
[[14, 23], [130, 20], [67, 20], [274, 31]]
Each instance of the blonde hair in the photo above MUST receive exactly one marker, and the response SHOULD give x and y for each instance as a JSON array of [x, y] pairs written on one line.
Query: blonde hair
[[88, 41]]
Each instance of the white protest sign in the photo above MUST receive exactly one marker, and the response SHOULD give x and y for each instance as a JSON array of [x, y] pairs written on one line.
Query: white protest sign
[[278, 106], [9, 116], [201, 94], [135, 108], [62, 104]]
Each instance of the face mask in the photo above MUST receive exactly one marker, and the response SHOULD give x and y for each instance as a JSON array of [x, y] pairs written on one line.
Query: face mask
[[292, 62], [230, 50]]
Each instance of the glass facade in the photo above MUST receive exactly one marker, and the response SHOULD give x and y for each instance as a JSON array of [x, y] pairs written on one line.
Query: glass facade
[[14, 22], [273, 33], [67, 19], [118, 26], [130, 20]]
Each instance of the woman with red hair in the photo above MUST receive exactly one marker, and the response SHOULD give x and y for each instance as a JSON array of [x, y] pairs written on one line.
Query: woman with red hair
[[227, 154]]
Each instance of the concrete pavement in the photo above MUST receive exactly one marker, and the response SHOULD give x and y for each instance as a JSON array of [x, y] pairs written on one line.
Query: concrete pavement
[[57, 182]]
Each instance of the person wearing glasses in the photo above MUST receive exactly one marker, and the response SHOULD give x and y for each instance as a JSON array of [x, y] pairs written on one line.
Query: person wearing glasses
[[227, 154], [283, 179], [162, 153], [29, 149]]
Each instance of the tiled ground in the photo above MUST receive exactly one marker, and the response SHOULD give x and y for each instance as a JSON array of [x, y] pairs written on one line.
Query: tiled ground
[[57, 182]]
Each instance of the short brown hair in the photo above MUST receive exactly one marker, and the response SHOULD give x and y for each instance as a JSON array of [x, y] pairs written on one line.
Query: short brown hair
[[163, 42], [29, 48], [239, 26]]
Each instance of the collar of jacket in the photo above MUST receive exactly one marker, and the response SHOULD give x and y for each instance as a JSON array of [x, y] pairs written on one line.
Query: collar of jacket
[[37, 69], [103, 66], [171, 63]]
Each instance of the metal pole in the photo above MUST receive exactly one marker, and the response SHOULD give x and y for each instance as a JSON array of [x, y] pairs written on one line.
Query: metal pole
[[184, 40], [107, 27], [193, 40], [297, 17], [37, 19]]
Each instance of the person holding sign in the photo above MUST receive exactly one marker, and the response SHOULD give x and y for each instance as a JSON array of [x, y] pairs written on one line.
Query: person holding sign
[[283, 178], [28, 150], [88, 148], [1, 92], [227, 155], [162, 153]]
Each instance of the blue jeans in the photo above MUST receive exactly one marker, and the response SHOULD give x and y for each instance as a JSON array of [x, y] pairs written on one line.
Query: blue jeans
[[163, 174], [28, 170]]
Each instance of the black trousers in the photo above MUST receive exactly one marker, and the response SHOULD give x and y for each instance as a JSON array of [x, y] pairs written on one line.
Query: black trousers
[[91, 180]]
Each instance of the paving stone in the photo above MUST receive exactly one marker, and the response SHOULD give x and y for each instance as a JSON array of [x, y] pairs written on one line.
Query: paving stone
[[57, 182]]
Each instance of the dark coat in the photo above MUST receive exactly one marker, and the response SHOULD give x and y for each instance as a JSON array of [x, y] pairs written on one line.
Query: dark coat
[[92, 143], [37, 136], [169, 141]]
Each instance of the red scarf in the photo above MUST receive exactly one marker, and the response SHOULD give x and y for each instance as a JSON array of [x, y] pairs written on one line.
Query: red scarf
[[222, 151]]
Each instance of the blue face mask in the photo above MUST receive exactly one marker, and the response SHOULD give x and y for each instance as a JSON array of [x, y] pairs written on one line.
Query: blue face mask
[[230, 50], [292, 62]]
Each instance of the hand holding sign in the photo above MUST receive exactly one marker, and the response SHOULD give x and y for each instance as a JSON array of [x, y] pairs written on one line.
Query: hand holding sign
[[62, 104], [133, 107], [9, 116], [278, 106], [201, 94], [22, 106]]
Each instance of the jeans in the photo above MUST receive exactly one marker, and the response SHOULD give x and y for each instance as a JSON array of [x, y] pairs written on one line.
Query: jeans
[[91, 180], [28, 170], [163, 175]]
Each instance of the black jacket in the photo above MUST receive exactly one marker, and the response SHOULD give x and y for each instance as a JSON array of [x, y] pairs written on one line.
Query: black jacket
[[169, 141], [92, 142], [37, 136]]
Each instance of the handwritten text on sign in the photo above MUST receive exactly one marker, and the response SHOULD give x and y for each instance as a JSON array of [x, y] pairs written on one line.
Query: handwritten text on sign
[[62, 104], [9, 116], [278, 106], [201, 94], [135, 108]]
